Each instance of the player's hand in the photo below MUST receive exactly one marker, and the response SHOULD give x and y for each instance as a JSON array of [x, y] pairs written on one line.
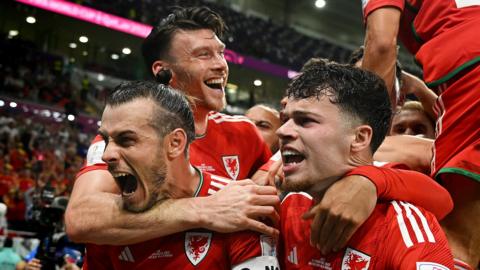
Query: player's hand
[[342, 210], [238, 207], [34, 264], [273, 177]]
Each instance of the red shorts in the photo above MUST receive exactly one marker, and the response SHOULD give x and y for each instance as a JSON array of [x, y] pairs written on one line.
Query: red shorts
[[457, 145]]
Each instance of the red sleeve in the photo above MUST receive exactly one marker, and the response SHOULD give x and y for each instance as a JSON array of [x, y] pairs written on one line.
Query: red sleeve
[[416, 240], [94, 161], [97, 257], [368, 6], [263, 154], [410, 186]]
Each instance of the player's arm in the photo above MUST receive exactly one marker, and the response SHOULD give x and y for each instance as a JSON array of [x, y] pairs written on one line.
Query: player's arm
[[381, 45], [413, 85], [95, 215], [412, 151], [350, 201]]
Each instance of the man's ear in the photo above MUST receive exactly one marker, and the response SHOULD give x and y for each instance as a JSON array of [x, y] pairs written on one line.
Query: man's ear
[[363, 137], [175, 143]]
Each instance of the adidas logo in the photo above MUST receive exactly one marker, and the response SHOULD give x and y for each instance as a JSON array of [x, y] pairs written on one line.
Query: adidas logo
[[126, 255], [292, 256]]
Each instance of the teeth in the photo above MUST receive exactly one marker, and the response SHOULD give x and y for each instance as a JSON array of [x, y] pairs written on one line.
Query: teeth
[[214, 81], [286, 153], [120, 174]]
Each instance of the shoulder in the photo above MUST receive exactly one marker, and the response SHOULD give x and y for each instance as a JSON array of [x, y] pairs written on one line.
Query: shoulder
[[226, 119]]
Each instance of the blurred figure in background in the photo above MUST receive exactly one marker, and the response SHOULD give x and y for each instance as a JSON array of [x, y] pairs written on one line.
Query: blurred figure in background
[[267, 121], [411, 119]]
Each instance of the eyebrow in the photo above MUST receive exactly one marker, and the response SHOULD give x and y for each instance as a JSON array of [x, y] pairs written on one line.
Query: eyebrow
[[116, 134]]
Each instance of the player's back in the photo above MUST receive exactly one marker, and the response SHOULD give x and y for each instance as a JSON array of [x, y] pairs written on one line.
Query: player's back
[[396, 236]]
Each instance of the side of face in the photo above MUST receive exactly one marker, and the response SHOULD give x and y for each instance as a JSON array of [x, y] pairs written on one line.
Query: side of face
[[267, 124], [134, 152], [315, 144], [412, 122], [199, 67]]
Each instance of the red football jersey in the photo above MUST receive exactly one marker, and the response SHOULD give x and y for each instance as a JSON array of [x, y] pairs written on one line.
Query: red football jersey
[[194, 249], [428, 28], [397, 235], [232, 147]]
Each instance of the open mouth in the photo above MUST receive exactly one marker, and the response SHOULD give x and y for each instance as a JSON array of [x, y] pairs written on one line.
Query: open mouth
[[127, 183], [291, 157], [216, 84]]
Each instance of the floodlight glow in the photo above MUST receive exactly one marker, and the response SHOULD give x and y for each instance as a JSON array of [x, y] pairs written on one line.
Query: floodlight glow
[[71, 117], [320, 3], [13, 33], [83, 39], [13, 104], [100, 77], [126, 50], [257, 82], [115, 56], [31, 20], [72, 45]]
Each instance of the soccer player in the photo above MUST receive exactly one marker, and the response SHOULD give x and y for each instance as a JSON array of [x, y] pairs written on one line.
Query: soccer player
[[442, 35], [185, 50], [146, 117], [411, 119], [336, 117], [267, 121]]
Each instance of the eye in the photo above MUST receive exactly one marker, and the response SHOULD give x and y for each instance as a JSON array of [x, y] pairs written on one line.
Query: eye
[[303, 121], [125, 141]]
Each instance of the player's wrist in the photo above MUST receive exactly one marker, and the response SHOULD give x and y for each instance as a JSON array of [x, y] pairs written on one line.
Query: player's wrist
[[197, 217]]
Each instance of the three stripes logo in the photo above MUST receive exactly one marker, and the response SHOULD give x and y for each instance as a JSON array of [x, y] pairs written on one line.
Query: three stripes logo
[[126, 255], [417, 227], [292, 256]]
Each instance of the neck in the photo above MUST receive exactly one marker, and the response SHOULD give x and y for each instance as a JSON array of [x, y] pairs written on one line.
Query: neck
[[185, 181], [201, 120]]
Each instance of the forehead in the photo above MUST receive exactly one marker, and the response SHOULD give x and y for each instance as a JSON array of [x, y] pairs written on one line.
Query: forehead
[[193, 39], [135, 114], [321, 106], [411, 115], [259, 113]]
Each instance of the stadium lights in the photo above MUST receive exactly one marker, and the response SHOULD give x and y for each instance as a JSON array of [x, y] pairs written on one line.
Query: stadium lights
[[83, 39], [13, 104], [320, 3], [12, 33], [72, 45], [31, 20], [100, 77], [257, 82], [99, 123], [2, 103], [84, 53], [126, 50], [114, 56], [71, 117]]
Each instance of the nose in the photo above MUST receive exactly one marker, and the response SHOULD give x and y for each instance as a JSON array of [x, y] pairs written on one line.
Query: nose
[[409, 131], [286, 131], [220, 63], [110, 154]]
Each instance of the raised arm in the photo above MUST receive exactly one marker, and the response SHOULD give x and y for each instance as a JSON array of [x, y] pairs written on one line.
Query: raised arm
[[94, 213], [381, 45]]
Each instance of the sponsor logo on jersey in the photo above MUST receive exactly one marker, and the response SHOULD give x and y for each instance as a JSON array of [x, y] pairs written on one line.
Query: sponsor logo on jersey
[[196, 246], [430, 266], [321, 263], [160, 254], [355, 260], [232, 166], [126, 255]]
